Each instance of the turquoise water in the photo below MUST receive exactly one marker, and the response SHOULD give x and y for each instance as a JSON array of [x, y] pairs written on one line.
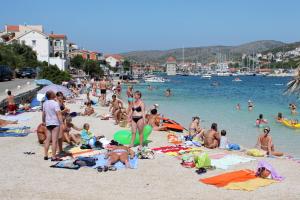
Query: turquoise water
[[195, 96]]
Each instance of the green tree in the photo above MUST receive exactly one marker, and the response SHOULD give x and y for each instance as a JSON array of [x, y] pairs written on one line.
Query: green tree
[[77, 62], [92, 68], [53, 74], [126, 65]]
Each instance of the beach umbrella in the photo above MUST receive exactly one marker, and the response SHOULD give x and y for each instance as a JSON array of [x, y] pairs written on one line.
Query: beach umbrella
[[56, 88], [43, 82]]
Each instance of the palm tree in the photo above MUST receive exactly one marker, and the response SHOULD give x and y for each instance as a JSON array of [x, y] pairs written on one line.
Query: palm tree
[[293, 87]]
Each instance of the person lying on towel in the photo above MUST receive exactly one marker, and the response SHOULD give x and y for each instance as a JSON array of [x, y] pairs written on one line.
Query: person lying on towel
[[120, 153]]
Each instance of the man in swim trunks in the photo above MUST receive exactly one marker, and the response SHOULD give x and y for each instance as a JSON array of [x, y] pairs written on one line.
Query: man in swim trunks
[[212, 137], [103, 88], [265, 143], [250, 105], [11, 105], [116, 108]]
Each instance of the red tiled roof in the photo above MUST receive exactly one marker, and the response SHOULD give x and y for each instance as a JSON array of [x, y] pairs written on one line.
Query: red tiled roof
[[115, 56], [12, 28], [57, 36], [171, 59]]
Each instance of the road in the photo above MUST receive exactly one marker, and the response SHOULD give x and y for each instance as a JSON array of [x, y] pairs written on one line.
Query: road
[[12, 85]]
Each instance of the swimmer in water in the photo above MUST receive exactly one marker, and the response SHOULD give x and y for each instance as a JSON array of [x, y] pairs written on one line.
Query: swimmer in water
[[238, 106], [168, 92], [250, 105]]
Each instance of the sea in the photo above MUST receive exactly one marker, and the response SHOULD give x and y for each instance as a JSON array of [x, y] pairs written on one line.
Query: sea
[[194, 96]]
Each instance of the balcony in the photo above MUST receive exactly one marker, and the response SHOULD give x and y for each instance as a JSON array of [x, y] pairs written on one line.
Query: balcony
[[58, 48]]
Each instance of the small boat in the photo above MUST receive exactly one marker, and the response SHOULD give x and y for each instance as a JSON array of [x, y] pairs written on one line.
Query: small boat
[[206, 76], [237, 80], [155, 79]]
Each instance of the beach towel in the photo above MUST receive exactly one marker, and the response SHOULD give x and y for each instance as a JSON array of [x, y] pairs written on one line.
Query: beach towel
[[14, 132], [250, 185], [2, 129], [217, 156], [172, 150], [229, 160], [269, 167], [66, 164], [173, 138], [256, 153], [230, 177], [101, 162], [15, 118]]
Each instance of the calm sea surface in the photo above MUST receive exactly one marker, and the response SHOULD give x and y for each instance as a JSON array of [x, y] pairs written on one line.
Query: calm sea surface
[[193, 96]]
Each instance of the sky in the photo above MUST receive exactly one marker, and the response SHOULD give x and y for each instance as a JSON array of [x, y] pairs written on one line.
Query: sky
[[113, 26]]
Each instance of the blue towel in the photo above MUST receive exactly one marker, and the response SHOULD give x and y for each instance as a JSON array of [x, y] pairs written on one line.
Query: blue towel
[[234, 147], [14, 128], [12, 134], [119, 165]]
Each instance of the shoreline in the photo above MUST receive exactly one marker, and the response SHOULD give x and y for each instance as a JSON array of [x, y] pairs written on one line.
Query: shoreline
[[30, 177]]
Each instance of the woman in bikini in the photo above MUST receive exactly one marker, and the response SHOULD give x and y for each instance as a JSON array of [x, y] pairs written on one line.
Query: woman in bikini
[[129, 94], [137, 117], [119, 153]]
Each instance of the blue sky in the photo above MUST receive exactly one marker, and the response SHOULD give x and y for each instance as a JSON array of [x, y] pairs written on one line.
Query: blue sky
[[127, 25]]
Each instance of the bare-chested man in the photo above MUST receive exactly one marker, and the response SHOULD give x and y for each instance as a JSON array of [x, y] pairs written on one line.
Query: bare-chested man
[[212, 137], [103, 88], [11, 105], [265, 143], [116, 108]]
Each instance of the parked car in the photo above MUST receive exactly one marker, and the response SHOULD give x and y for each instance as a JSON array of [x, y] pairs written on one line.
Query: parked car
[[5, 73], [26, 72]]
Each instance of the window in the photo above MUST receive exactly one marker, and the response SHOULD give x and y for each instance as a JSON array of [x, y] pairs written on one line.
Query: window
[[57, 43], [33, 43]]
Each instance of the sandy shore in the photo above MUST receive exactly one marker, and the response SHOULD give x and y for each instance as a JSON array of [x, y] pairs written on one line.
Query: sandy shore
[[30, 177]]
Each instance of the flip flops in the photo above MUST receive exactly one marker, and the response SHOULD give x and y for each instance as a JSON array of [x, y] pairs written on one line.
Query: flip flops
[[106, 168], [201, 171], [29, 153]]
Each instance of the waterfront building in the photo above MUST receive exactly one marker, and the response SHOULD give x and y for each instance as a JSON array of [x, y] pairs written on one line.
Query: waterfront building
[[171, 66]]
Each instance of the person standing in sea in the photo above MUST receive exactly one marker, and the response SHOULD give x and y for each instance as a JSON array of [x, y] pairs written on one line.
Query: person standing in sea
[[137, 118], [52, 119]]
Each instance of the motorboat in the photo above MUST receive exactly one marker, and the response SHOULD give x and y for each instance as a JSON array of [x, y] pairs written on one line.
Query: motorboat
[[154, 79], [206, 76]]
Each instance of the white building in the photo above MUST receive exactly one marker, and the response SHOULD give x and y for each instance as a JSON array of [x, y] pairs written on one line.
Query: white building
[[114, 60], [38, 41], [51, 48], [171, 66]]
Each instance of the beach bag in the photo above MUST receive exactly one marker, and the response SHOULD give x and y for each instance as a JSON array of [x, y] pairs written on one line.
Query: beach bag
[[202, 161], [234, 147]]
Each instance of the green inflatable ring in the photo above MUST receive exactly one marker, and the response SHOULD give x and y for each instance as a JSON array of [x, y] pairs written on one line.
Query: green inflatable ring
[[124, 136]]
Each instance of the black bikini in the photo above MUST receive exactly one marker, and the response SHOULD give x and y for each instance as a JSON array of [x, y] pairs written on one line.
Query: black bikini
[[136, 118]]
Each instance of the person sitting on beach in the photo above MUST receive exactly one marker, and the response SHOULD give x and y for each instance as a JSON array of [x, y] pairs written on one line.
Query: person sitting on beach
[[67, 136], [195, 131], [224, 143], [25, 106], [261, 120], [89, 110], [250, 105], [264, 142], [88, 139], [120, 153], [212, 137], [116, 108], [11, 105], [154, 120], [7, 122]]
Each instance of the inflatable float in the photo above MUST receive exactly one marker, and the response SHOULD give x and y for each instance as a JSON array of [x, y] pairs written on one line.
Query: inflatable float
[[124, 136], [172, 125], [289, 124]]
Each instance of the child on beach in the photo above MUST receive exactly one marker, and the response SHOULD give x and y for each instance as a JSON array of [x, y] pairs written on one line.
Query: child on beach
[[224, 143], [88, 139]]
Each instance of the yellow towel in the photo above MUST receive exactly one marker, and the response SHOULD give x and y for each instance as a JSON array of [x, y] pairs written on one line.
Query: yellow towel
[[250, 185], [172, 154], [256, 153]]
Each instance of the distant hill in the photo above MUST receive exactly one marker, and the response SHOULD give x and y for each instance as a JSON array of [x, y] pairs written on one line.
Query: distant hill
[[203, 54], [283, 48]]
